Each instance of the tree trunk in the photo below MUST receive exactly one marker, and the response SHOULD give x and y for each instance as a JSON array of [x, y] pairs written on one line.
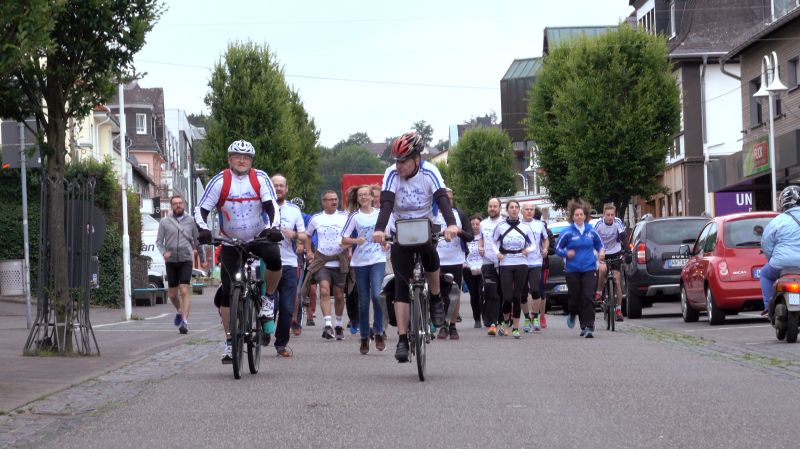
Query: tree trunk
[[59, 281]]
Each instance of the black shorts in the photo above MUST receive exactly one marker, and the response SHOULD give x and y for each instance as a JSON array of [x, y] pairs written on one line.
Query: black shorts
[[614, 261], [403, 264], [179, 273]]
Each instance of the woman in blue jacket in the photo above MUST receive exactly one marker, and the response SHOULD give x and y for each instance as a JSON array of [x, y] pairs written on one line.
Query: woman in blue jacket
[[580, 246]]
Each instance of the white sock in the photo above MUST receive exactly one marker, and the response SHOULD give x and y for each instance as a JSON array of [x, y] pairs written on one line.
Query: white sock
[[338, 321], [327, 320]]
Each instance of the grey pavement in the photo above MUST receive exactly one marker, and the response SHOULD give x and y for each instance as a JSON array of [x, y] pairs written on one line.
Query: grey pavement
[[634, 388]]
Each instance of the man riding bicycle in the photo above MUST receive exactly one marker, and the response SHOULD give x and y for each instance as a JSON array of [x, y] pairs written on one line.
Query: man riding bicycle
[[413, 188], [612, 232], [242, 196]]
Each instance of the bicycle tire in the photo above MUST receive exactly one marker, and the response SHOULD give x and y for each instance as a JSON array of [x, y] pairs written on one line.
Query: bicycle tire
[[611, 304], [420, 331], [254, 333], [236, 337]]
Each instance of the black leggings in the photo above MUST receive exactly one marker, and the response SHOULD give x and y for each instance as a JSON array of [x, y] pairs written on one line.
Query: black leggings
[[514, 279], [403, 264], [534, 282], [475, 286], [231, 261], [581, 296]]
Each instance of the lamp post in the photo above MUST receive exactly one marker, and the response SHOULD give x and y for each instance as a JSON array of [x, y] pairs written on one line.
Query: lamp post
[[770, 85]]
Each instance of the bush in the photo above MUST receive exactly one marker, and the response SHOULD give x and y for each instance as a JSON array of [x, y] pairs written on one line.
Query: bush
[[110, 259]]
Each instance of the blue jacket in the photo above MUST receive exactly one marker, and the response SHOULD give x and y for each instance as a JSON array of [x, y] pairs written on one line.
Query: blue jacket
[[584, 245], [781, 240]]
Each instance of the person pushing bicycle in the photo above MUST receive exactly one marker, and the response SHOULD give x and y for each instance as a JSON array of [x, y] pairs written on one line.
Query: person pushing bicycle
[[413, 188]]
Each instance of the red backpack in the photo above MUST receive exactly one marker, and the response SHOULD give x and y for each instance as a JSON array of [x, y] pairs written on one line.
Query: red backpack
[[226, 187]]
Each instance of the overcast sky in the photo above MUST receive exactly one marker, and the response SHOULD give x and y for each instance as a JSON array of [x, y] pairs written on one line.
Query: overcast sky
[[346, 57]]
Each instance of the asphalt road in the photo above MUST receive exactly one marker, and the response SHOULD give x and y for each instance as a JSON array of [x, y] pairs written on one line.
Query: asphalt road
[[651, 384]]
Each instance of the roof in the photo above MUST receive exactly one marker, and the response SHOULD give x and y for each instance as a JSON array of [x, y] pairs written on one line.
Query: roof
[[523, 68], [554, 36], [759, 31], [714, 26]]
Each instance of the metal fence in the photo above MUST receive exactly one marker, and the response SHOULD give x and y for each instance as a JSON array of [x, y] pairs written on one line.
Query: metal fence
[[57, 325]]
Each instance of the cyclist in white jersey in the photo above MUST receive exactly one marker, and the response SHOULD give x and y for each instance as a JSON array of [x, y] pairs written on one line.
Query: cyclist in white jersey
[[612, 232], [451, 259], [243, 215], [294, 230], [411, 188], [491, 278], [535, 261]]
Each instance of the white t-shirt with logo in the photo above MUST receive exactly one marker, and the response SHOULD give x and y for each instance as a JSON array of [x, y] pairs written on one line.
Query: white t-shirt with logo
[[363, 224], [474, 258], [450, 253], [487, 231], [328, 228], [609, 234], [413, 197], [535, 257], [241, 216], [515, 240], [291, 218]]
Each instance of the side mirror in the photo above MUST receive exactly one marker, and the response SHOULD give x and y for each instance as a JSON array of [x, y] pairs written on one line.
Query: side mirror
[[684, 251]]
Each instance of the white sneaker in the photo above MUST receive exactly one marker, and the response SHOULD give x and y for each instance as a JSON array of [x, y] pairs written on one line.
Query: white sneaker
[[267, 307], [227, 354]]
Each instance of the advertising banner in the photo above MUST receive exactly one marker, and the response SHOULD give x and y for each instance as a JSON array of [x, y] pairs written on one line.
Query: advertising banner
[[756, 156]]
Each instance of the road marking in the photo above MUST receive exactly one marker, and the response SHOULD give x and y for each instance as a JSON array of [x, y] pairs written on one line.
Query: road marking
[[148, 330], [129, 321], [727, 328]]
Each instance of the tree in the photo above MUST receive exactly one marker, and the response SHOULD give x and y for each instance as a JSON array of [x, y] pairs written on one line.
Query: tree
[[386, 156], [425, 130], [482, 166], [359, 138], [488, 119], [350, 159], [603, 113], [249, 99], [69, 57], [442, 145]]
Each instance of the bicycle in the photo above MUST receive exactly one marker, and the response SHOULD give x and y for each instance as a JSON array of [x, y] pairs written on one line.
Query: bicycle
[[412, 233], [244, 305], [609, 304]]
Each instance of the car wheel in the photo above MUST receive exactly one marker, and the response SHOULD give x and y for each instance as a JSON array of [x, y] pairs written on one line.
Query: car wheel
[[154, 282], [791, 327], [690, 315], [633, 304], [715, 315]]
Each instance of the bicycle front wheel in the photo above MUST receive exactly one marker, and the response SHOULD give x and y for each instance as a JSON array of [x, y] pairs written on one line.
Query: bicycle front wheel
[[237, 336], [419, 330], [253, 329]]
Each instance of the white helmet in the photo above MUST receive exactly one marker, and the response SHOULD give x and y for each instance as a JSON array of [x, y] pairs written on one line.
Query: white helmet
[[242, 147]]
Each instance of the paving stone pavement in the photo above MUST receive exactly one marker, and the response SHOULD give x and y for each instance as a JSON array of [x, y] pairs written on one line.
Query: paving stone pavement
[[46, 418]]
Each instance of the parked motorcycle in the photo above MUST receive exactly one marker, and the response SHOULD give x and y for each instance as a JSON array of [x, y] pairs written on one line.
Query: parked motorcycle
[[784, 309]]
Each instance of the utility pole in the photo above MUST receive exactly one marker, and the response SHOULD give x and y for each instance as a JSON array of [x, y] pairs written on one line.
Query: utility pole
[[126, 240], [26, 265]]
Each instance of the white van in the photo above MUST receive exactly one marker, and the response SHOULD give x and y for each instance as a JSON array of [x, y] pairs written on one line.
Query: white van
[[157, 273]]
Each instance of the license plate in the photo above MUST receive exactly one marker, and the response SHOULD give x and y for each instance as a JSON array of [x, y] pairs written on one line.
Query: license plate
[[676, 263], [562, 288], [756, 273], [793, 298]]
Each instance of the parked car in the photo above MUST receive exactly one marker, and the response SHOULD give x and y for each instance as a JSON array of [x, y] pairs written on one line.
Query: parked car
[[722, 275], [556, 291], [655, 271]]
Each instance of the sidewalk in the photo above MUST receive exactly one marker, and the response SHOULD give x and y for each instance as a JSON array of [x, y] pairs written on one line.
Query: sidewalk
[[27, 378]]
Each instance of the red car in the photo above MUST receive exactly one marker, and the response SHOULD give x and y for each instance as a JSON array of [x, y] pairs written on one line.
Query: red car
[[722, 274]]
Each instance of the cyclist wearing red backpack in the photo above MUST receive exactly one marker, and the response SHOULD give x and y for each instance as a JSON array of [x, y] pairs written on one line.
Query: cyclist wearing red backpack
[[246, 206]]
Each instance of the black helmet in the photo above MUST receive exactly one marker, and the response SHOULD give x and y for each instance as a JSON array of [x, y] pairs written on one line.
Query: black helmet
[[789, 197]]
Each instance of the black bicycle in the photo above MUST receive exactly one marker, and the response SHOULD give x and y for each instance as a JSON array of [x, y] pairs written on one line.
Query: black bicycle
[[412, 233], [609, 304], [244, 330]]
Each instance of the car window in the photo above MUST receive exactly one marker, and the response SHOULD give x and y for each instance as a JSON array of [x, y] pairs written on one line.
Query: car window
[[711, 239], [637, 232], [674, 232], [745, 233], [698, 245]]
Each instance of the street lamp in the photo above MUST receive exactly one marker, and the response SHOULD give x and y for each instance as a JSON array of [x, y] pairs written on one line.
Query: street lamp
[[524, 182], [771, 75]]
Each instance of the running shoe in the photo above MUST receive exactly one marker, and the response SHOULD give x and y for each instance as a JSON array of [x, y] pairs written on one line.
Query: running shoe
[[526, 327], [618, 315], [327, 333], [353, 327], [501, 330], [583, 332], [453, 332], [380, 342], [571, 321], [543, 319], [339, 333], [267, 306], [588, 334], [227, 354], [296, 329], [310, 322], [477, 324], [282, 351], [184, 328], [178, 319], [401, 353], [364, 346], [492, 330], [515, 333], [536, 325], [443, 333]]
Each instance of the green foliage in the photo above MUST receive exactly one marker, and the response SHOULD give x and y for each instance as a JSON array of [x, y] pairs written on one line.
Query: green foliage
[[446, 172], [603, 113], [354, 139], [482, 166], [350, 159], [249, 99], [110, 261], [11, 217], [425, 130], [106, 188]]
